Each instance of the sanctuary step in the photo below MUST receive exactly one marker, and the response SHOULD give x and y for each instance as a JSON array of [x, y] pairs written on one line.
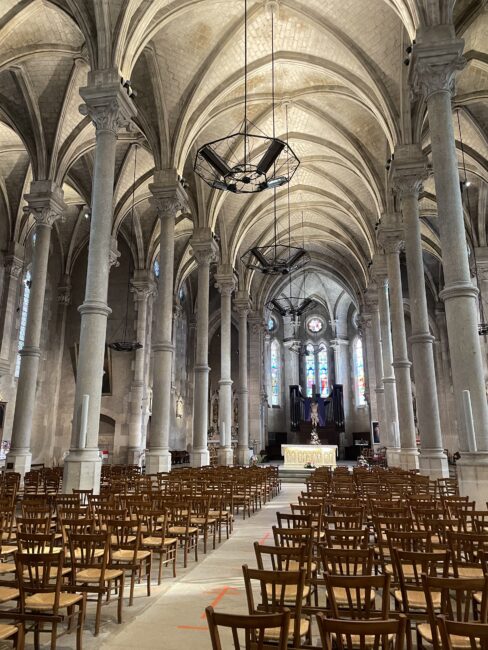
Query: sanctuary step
[[288, 475]]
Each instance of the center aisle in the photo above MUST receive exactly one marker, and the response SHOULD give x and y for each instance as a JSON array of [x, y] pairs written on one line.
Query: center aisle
[[176, 619]]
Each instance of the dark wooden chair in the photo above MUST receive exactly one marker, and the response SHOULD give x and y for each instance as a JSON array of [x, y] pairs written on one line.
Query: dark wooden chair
[[256, 628]]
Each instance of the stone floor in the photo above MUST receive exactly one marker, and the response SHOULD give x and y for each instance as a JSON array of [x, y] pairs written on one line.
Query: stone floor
[[173, 617]]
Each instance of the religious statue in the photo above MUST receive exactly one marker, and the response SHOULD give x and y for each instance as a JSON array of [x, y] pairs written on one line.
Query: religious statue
[[314, 414], [179, 407]]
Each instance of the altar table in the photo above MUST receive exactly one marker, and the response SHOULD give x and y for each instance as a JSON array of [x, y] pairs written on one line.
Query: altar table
[[296, 456]]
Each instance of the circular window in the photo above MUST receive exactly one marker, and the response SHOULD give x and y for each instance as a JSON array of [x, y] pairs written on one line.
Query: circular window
[[315, 325], [271, 324]]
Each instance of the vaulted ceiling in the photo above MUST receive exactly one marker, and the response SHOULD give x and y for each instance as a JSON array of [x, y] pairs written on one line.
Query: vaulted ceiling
[[340, 82]]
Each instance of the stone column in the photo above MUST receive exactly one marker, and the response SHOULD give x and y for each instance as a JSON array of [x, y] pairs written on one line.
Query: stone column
[[205, 251], [169, 199], [291, 345], [390, 236], [372, 306], [481, 253], [408, 171], [390, 432], [343, 377], [45, 202], [110, 108], [436, 56], [142, 285], [256, 378], [13, 265], [241, 303], [147, 394], [226, 285]]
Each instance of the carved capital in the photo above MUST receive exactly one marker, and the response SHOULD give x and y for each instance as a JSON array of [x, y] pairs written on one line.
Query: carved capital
[[13, 266], [114, 252], [45, 202], [390, 234], [365, 321], [64, 292], [169, 197], [225, 281], [142, 285], [242, 303], [204, 247], [107, 102], [434, 66], [408, 170]]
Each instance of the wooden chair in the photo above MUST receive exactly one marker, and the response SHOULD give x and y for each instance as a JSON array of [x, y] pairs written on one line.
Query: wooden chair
[[40, 586], [457, 603], [472, 636], [347, 538], [125, 552], [466, 549], [201, 518], [256, 629], [338, 634], [154, 537], [179, 526], [356, 597], [274, 586], [90, 573], [348, 562]]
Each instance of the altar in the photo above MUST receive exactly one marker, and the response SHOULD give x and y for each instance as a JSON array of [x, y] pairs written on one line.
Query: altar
[[296, 456]]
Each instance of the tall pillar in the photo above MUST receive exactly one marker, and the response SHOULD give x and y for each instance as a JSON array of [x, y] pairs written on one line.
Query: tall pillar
[[408, 171], [291, 345], [448, 416], [147, 393], [436, 56], [226, 285], [142, 286], [110, 108], [169, 199], [241, 303], [390, 236], [343, 377], [13, 265], [372, 307], [205, 251], [45, 202], [256, 379], [481, 253], [390, 432]]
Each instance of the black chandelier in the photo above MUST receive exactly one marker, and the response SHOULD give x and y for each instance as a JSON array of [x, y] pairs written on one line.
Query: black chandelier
[[290, 305], [465, 184], [124, 345], [247, 160], [275, 258]]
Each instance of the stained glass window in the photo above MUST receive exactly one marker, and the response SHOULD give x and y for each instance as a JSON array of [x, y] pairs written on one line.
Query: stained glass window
[[359, 371], [310, 369], [271, 324], [23, 319], [315, 325], [323, 371], [156, 268], [275, 373]]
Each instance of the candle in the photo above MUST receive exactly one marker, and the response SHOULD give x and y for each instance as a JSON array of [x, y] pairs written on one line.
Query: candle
[[84, 420]]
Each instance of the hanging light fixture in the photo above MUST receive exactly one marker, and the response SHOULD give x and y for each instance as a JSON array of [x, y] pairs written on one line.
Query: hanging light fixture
[[465, 184], [290, 305], [247, 160], [125, 345], [277, 259]]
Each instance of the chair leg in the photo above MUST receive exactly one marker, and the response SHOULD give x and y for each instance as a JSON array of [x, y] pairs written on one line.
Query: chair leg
[[99, 612], [121, 599], [81, 620], [148, 574], [36, 634], [54, 631], [132, 585], [160, 571]]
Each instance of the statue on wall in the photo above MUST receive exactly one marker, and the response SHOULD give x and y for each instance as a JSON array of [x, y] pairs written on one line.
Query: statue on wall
[[179, 406], [314, 414]]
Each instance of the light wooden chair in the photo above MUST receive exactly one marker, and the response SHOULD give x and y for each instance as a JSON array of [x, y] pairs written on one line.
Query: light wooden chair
[[471, 636], [257, 628], [339, 634]]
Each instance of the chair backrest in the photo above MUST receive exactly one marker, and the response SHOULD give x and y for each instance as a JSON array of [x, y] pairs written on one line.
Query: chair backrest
[[348, 561], [350, 635], [286, 520], [281, 558], [274, 588], [358, 597], [473, 636], [253, 626], [85, 552], [34, 525], [410, 566], [466, 549], [344, 522], [35, 543], [346, 538], [39, 573], [456, 600]]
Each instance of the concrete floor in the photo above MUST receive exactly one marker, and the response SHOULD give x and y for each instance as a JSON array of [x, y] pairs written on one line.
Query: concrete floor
[[173, 617]]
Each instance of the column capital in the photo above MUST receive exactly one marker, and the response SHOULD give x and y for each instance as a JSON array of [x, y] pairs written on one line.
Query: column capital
[[371, 297], [107, 102], [45, 202], [142, 284], [242, 302], [390, 233], [64, 291], [481, 253], [168, 194], [434, 64], [257, 324], [14, 260], [114, 253], [204, 247], [224, 280], [379, 271], [337, 342], [364, 320], [408, 170]]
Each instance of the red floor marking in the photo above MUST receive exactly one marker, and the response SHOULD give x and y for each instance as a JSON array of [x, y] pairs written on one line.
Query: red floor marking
[[221, 593], [264, 537], [192, 627]]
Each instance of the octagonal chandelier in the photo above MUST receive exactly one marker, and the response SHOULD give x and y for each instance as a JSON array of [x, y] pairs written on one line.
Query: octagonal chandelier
[[247, 160]]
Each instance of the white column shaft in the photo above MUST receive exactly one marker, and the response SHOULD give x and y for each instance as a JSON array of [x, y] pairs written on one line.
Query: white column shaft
[[378, 364], [225, 382], [390, 431], [243, 444]]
